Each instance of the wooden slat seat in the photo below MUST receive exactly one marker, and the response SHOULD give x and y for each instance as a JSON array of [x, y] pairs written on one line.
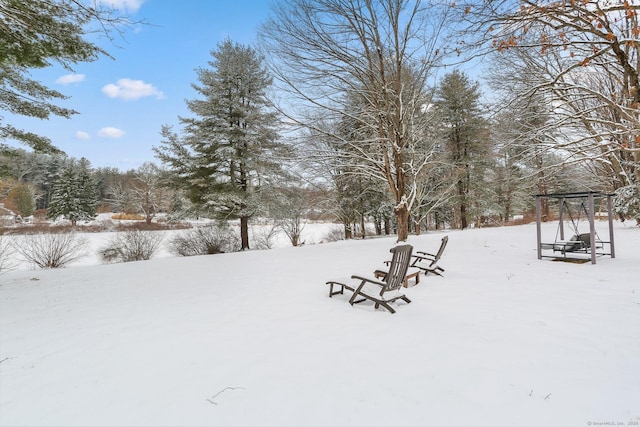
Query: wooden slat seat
[[382, 292]]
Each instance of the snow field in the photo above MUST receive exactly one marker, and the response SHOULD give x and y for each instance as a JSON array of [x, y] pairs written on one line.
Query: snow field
[[253, 339]]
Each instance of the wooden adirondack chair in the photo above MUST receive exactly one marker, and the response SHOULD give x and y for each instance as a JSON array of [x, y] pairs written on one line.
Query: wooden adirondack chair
[[381, 292], [429, 262]]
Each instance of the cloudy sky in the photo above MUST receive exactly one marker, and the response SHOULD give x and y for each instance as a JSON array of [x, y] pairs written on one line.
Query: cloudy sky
[[124, 101]]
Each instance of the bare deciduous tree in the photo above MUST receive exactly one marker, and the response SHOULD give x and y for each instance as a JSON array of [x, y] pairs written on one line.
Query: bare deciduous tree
[[582, 57], [368, 62], [150, 195], [144, 193]]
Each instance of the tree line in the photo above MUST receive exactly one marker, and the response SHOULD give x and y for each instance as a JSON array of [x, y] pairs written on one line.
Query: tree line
[[362, 109]]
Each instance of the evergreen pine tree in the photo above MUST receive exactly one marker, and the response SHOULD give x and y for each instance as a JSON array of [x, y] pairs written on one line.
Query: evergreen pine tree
[[74, 197], [87, 195], [230, 146], [466, 138]]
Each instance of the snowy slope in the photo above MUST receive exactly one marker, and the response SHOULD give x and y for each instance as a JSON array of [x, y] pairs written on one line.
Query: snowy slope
[[253, 339]]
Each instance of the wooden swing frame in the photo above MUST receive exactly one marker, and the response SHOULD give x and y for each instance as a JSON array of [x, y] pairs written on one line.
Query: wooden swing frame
[[590, 196]]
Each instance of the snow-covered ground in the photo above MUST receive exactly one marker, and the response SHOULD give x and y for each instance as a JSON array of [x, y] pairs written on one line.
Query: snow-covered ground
[[252, 338]]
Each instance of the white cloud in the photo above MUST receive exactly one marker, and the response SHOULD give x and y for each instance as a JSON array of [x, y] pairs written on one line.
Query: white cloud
[[126, 5], [70, 78], [82, 135], [110, 132], [131, 90]]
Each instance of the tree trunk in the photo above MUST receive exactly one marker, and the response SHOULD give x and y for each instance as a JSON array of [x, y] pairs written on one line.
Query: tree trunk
[[507, 208], [402, 220], [347, 231], [244, 232], [542, 188], [463, 206], [463, 217], [417, 227]]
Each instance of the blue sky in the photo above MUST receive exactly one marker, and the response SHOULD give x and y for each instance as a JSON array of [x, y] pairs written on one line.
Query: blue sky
[[124, 101]]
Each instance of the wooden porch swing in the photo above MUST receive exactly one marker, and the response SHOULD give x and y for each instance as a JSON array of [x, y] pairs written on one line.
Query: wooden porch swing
[[579, 243]]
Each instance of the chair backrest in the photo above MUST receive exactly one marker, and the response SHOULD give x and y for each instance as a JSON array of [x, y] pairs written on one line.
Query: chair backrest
[[585, 238], [577, 242], [398, 267], [443, 244]]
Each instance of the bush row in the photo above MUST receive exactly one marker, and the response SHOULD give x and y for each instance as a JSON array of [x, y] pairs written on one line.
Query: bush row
[[92, 227], [56, 250]]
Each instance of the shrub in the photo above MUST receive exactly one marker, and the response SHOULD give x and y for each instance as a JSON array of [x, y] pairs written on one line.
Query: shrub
[[51, 250], [6, 261], [335, 234], [263, 236], [205, 240], [127, 217], [132, 245], [21, 200]]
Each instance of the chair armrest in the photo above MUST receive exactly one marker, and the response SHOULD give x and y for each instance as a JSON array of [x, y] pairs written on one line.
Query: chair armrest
[[417, 259], [424, 255], [368, 280]]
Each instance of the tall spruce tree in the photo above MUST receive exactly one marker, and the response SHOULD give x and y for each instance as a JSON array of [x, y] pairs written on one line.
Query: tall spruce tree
[[466, 138], [231, 145], [74, 197]]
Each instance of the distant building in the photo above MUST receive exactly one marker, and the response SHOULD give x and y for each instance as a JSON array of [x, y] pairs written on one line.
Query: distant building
[[6, 216]]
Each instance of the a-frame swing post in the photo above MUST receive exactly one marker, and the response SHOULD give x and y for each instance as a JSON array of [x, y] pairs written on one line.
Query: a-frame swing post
[[592, 228], [538, 232], [561, 218], [587, 205], [610, 216]]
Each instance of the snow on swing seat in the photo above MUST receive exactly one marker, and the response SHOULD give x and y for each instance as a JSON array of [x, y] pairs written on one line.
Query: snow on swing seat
[[579, 242]]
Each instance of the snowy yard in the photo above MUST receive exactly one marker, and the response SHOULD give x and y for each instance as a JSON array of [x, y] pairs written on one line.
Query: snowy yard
[[253, 339]]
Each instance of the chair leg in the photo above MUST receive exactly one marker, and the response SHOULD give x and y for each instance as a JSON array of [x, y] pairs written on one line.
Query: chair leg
[[353, 300], [387, 306], [332, 293], [356, 292]]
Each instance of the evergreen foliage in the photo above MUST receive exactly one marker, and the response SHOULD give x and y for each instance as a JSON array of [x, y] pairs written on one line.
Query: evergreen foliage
[[74, 197], [627, 202], [36, 34], [466, 140], [230, 148]]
